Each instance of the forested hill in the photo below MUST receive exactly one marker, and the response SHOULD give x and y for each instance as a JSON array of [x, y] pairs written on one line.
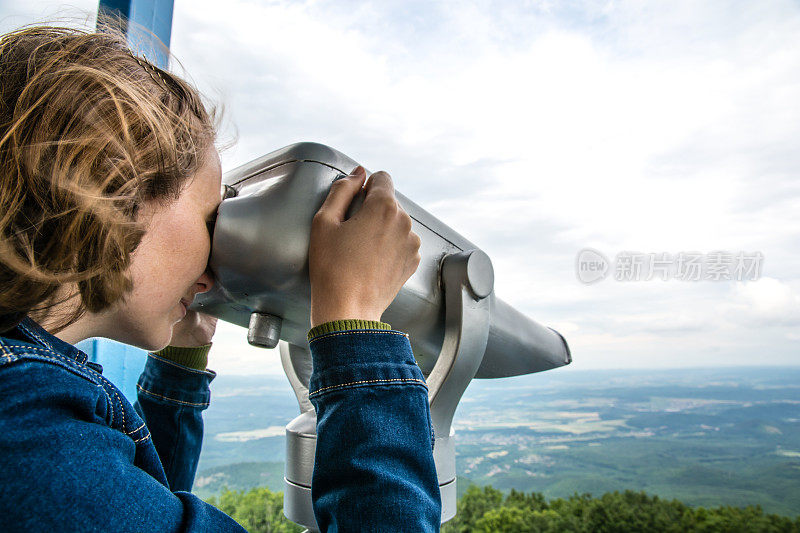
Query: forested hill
[[489, 510]]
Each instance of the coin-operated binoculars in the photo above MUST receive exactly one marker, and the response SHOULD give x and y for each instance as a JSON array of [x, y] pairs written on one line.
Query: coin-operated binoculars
[[458, 328]]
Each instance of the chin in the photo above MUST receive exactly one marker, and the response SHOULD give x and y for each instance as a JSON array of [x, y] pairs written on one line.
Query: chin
[[157, 346], [152, 340], [147, 331]]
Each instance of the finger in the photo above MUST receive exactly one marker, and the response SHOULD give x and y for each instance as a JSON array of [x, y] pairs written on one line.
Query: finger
[[379, 184], [342, 193]]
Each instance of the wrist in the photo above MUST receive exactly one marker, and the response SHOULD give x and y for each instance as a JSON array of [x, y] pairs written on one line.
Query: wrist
[[323, 316], [345, 325]]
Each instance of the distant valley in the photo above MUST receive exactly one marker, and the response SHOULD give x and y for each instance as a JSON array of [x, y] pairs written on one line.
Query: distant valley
[[704, 436]]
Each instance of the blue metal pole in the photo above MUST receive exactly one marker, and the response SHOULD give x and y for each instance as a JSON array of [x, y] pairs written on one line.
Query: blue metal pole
[[147, 23]]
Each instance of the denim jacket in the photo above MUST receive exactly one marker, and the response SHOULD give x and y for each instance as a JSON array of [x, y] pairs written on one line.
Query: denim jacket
[[75, 455]]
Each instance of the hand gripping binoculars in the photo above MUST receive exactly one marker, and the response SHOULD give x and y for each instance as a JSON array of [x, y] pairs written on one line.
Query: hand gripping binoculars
[[459, 330]]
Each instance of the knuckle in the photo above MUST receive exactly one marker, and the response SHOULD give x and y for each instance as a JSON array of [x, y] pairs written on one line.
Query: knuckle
[[320, 219], [405, 221], [387, 204], [415, 261]]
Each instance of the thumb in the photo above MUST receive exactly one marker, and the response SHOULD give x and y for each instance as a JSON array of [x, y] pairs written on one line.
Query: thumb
[[342, 192]]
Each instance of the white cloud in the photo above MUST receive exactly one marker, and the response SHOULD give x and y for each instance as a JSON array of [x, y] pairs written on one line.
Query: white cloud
[[14, 14], [768, 301]]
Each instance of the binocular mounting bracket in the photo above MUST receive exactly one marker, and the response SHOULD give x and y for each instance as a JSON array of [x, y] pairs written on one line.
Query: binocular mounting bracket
[[467, 280]]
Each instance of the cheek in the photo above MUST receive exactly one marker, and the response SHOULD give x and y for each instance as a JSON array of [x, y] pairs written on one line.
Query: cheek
[[199, 245], [186, 252], [170, 258], [192, 245]]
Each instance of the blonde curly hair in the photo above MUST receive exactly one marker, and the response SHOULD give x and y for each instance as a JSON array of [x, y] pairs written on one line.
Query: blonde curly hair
[[88, 133]]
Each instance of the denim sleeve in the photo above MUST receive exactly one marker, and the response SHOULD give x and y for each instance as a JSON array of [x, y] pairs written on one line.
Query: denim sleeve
[[171, 399], [62, 468], [374, 468]]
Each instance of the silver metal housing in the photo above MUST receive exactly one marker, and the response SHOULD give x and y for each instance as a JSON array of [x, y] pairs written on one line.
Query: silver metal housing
[[260, 261]]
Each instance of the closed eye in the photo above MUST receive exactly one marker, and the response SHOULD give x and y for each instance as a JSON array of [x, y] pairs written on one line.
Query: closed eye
[[211, 222]]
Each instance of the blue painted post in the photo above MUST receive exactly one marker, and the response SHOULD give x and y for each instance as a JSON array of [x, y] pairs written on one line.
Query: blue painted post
[[149, 34], [122, 364], [148, 24]]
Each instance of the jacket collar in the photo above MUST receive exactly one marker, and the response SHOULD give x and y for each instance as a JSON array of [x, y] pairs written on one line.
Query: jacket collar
[[29, 331]]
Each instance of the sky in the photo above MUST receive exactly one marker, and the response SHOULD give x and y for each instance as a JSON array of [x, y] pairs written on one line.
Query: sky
[[538, 129]]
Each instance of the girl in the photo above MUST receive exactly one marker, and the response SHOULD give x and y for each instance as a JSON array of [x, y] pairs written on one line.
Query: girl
[[110, 179]]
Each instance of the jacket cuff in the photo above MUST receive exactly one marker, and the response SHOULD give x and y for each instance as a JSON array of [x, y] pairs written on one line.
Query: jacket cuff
[[362, 358], [165, 381], [345, 325], [190, 357]]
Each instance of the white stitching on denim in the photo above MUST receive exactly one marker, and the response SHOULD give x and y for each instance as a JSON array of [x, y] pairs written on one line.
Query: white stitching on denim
[[107, 386], [121, 409], [51, 355], [170, 399], [366, 381], [27, 330], [5, 352], [135, 430], [113, 390], [48, 354], [142, 439], [43, 349], [337, 333]]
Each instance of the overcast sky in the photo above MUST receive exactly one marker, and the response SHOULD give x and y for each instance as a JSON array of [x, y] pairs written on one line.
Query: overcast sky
[[538, 129]]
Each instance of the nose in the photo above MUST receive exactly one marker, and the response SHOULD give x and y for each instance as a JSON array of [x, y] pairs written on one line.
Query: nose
[[204, 283]]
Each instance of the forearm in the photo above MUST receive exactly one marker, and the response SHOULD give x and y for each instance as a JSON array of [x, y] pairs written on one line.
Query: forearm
[[374, 468], [171, 399]]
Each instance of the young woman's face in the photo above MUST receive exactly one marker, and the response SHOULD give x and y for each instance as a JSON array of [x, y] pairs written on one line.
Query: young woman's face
[[170, 264]]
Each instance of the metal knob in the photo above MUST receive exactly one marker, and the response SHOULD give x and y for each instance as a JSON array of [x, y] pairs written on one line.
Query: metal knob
[[264, 330]]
